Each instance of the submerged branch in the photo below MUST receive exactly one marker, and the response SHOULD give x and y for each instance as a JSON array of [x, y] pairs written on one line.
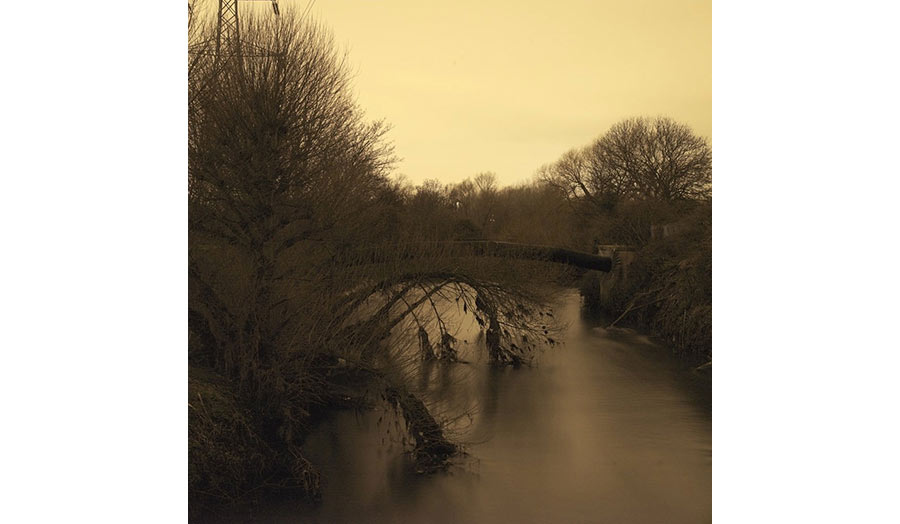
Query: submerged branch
[[432, 449]]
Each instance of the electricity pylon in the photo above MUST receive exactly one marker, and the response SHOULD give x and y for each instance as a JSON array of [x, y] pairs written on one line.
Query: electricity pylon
[[228, 28], [226, 43], [224, 48]]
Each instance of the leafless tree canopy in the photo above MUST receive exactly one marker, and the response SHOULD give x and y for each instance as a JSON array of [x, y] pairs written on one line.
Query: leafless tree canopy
[[275, 138], [639, 159]]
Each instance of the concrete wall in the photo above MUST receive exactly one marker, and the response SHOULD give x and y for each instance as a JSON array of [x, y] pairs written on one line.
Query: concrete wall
[[622, 257], [665, 230]]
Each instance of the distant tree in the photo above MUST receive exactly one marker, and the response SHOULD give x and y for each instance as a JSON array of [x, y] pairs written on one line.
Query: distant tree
[[657, 159], [462, 196], [486, 201], [430, 211], [637, 159], [535, 213], [474, 199], [582, 179], [486, 182]]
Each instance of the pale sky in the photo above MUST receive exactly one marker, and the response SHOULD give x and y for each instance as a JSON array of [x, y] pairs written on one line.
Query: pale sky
[[508, 85]]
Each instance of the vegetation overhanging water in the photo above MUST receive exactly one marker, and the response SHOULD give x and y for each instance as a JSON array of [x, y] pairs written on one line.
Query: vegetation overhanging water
[[309, 261], [606, 427]]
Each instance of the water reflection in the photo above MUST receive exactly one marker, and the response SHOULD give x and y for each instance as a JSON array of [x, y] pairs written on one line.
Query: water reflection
[[604, 428]]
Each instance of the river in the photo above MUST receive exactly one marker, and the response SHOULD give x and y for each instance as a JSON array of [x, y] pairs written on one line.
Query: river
[[605, 427]]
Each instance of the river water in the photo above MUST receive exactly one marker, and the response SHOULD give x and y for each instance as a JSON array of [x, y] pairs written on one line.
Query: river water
[[605, 427]]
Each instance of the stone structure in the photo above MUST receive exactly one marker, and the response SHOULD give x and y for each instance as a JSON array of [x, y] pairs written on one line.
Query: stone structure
[[622, 257]]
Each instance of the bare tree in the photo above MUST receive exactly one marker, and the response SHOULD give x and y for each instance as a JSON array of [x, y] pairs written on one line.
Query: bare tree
[[638, 159], [279, 156], [486, 184], [583, 179], [656, 159]]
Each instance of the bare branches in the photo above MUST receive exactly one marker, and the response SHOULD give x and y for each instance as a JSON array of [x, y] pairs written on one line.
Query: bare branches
[[656, 159], [639, 158], [277, 137]]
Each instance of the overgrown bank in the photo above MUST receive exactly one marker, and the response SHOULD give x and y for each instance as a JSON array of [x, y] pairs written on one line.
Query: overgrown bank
[[666, 289], [230, 460], [646, 184]]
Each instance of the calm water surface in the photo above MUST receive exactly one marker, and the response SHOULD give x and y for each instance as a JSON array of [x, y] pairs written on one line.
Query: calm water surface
[[604, 428]]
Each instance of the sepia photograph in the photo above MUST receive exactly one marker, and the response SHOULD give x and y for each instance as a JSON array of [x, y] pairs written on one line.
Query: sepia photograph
[[450, 261], [431, 262]]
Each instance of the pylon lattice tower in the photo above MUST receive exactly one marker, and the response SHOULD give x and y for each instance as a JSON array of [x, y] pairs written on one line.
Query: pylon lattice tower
[[228, 26]]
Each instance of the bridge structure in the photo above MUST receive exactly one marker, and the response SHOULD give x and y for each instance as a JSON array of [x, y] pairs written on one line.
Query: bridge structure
[[484, 248]]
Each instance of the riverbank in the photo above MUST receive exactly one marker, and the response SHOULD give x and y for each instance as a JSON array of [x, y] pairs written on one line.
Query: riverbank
[[666, 291], [604, 427], [238, 462], [231, 460], [229, 450]]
